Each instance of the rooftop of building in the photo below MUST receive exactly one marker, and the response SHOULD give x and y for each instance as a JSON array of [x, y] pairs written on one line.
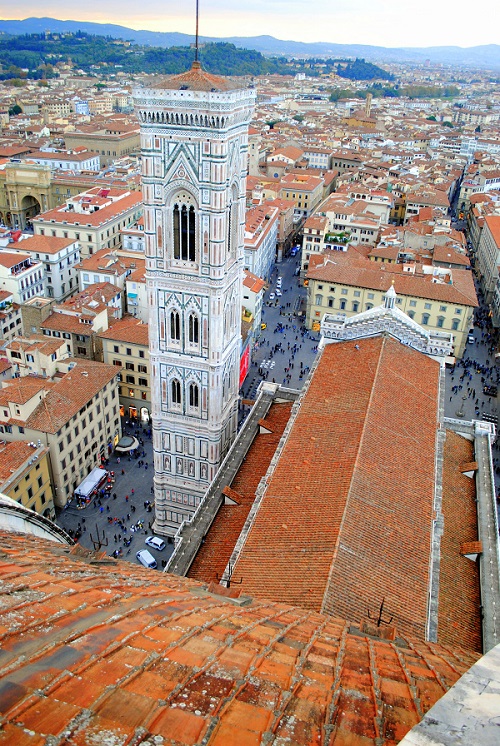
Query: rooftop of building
[[198, 79], [336, 531], [352, 268], [128, 329], [106, 649]]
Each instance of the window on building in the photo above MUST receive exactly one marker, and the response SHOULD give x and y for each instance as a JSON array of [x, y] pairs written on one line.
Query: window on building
[[142, 382], [357, 293], [331, 302], [175, 388], [413, 303], [425, 319], [194, 396], [458, 311], [440, 322], [141, 353], [355, 306], [175, 326], [193, 329], [319, 300], [443, 308], [184, 232], [116, 348], [81, 350], [343, 305], [129, 366], [370, 296], [455, 324], [344, 291], [142, 368], [427, 306]]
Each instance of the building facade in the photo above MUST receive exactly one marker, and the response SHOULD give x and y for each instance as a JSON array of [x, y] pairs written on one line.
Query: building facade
[[194, 139]]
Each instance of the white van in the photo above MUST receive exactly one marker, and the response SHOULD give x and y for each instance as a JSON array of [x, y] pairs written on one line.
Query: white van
[[146, 558]]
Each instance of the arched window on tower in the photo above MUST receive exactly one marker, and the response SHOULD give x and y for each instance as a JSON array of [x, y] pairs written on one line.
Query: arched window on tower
[[175, 389], [194, 396], [175, 326], [232, 225], [184, 217], [193, 329]]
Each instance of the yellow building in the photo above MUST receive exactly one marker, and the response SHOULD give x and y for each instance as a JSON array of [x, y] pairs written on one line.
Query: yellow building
[[76, 416], [348, 283], [25, 476], [126, 346]]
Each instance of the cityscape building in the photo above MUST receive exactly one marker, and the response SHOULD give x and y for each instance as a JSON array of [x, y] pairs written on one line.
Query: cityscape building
[[194, 138]]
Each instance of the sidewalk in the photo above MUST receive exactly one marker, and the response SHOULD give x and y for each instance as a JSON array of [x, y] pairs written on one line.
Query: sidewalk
[[136, 483]]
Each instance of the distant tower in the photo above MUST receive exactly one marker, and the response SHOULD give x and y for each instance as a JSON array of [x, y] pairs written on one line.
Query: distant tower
[[368, 104], [194, 139]]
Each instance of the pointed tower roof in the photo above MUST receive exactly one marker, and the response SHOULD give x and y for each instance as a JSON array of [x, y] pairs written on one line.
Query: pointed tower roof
[[197, 79]]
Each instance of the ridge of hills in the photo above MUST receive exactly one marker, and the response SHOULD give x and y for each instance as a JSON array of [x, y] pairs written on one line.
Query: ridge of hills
[[483, 56]]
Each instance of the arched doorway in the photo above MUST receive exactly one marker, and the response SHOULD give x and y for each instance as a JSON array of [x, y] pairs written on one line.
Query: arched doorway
[[30, 207]]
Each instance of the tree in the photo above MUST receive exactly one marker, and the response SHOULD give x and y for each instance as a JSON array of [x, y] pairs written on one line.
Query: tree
[[15, 110]]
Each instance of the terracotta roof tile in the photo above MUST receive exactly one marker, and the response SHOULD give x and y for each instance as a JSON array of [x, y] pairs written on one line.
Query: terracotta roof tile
[[213, 556], [458, 575], [331, 532], [142, 651]]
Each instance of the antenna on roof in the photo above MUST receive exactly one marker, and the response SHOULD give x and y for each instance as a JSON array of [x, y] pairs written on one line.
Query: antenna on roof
[[380, 620], [197, 40], [226, 577], [99, 542], [197, 46]]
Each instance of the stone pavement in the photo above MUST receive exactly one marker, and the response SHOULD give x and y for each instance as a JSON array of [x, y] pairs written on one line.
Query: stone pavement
[[279, 315], [136, 483]]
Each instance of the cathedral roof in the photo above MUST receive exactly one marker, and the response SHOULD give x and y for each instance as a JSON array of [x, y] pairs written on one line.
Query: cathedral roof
[[96, 651], [197, 79]]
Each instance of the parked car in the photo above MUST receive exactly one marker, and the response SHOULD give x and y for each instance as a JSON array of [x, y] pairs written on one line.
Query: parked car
[[155, 543], [272, 296], [146, 559], [278, 293], [470, 339]]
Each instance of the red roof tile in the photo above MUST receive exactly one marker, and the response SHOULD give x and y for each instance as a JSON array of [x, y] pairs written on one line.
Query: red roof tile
[[142, 652], [333, 527]]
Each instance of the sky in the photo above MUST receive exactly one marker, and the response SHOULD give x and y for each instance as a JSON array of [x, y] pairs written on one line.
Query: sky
[[389, 23]]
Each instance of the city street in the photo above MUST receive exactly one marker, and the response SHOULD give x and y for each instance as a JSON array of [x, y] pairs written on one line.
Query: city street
[[285, 352], [133, 491]]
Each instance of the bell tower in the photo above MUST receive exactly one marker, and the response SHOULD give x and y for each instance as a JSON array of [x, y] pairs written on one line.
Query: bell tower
[[194, 140]]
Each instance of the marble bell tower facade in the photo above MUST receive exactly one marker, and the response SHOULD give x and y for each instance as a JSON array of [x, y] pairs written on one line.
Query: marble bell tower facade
[[194, 141]]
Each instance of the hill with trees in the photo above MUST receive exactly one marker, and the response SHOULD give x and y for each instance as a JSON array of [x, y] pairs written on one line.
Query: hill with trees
[[36, 55]]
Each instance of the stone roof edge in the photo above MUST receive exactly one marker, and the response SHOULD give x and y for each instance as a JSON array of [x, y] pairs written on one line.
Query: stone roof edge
[[191, 533], [437, 526]]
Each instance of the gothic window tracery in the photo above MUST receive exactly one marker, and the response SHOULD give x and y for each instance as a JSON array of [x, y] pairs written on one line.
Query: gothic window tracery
[[175, 391], [175, 326], [193, 329]]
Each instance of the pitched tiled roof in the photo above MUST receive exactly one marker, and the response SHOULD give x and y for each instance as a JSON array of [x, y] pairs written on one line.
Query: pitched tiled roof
[[46, 244], [336, 527], [128, 329], [97, 651], [214, 554], [197, 79], [458, 575], [69, 394], [350, 268]]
